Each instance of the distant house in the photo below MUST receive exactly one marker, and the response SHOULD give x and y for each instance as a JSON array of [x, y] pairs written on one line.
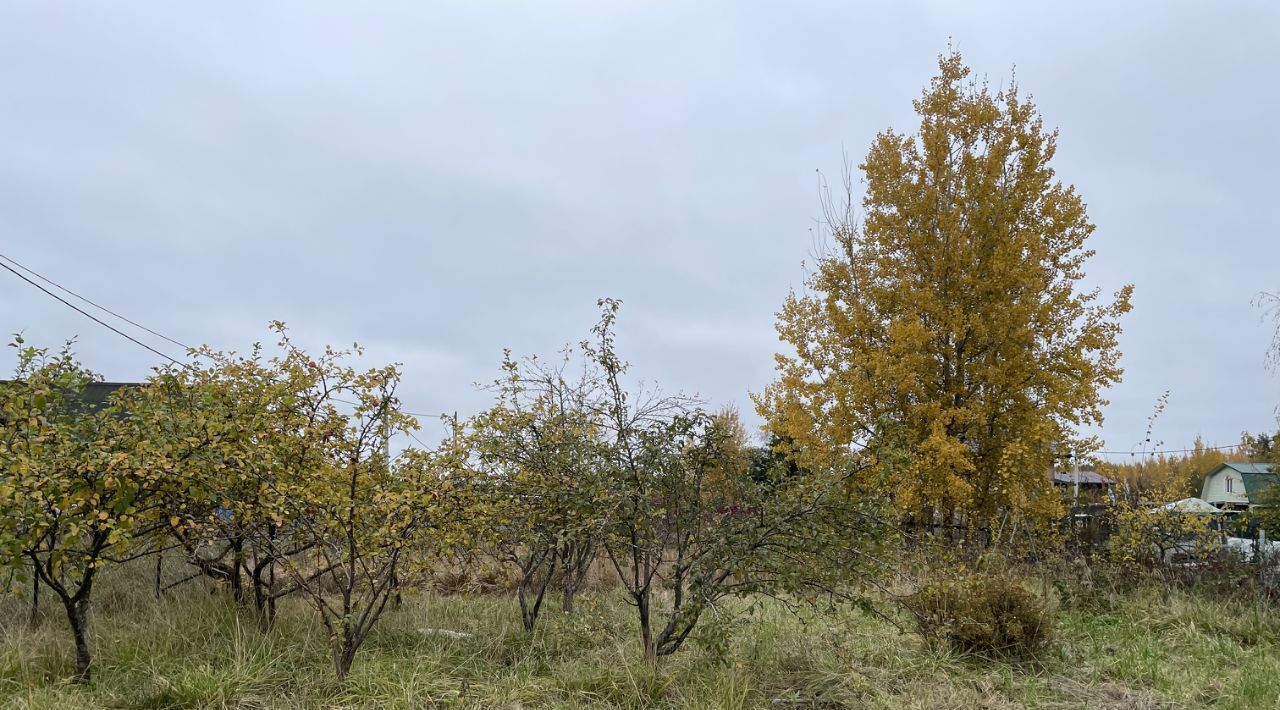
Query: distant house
[[1088, 480], [1083, 487], [96, 395], [1238, 486]]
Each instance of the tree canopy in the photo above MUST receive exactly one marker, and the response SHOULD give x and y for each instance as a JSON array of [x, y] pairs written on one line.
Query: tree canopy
[[948, 321]]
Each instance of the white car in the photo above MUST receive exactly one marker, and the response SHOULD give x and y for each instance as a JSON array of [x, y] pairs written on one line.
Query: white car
[[1245, 548]]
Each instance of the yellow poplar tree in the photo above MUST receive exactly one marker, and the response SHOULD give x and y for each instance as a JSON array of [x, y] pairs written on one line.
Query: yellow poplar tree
[[947, 323]]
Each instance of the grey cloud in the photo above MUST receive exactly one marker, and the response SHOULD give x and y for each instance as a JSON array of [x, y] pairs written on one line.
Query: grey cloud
[[440, 181]]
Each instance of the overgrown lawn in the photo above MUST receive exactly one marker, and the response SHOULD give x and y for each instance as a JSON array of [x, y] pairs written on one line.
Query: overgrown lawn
[[195, 649]]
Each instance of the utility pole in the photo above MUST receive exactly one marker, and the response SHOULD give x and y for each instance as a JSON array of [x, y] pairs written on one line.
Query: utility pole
[[1075, 464], [398, 600]]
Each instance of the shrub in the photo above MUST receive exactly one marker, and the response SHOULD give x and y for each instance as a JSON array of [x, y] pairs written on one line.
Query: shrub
[[986, 615], [1159, 537]]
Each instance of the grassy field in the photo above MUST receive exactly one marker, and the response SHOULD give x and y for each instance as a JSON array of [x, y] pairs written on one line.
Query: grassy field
[[196, 649]]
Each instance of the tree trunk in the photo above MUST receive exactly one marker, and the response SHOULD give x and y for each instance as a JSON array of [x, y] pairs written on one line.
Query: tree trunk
[[531, 583], [271, 594], [343, 657], [264, 603], [237, 563], [397, 600], [526, 618], [569, 594], [159, 574], [577, 563], [77, 614], [531, 609], [646, 631]]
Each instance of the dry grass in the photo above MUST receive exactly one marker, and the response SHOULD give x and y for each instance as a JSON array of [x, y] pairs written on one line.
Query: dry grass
[[196, 649]]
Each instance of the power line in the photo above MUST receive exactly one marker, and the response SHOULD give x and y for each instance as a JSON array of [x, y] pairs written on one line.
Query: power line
[[1168, 451], [413, 436], [356, 404], [90, 316], [95, 305], [117, 315]]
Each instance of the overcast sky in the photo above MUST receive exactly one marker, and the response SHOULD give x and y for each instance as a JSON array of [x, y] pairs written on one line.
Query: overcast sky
[[442, 180]]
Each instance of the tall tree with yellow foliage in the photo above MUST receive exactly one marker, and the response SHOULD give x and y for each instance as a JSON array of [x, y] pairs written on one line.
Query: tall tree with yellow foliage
[[947, 323]]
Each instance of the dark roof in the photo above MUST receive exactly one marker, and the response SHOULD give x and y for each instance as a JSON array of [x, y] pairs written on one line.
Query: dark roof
[[97, 394], [1087, 478]]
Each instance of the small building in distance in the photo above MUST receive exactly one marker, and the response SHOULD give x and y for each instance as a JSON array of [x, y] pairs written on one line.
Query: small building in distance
[[1238, 486], [98, 394], [1089, 480], [95, 395], [1094, 489]]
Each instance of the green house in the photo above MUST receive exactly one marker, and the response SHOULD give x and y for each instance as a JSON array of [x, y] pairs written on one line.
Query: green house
[[1238, 486]]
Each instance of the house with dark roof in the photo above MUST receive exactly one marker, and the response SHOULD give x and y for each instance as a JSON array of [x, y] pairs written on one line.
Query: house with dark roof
[[1238, 486], [1087, 480], [98, 394], [95, 395], [1082, 487]]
